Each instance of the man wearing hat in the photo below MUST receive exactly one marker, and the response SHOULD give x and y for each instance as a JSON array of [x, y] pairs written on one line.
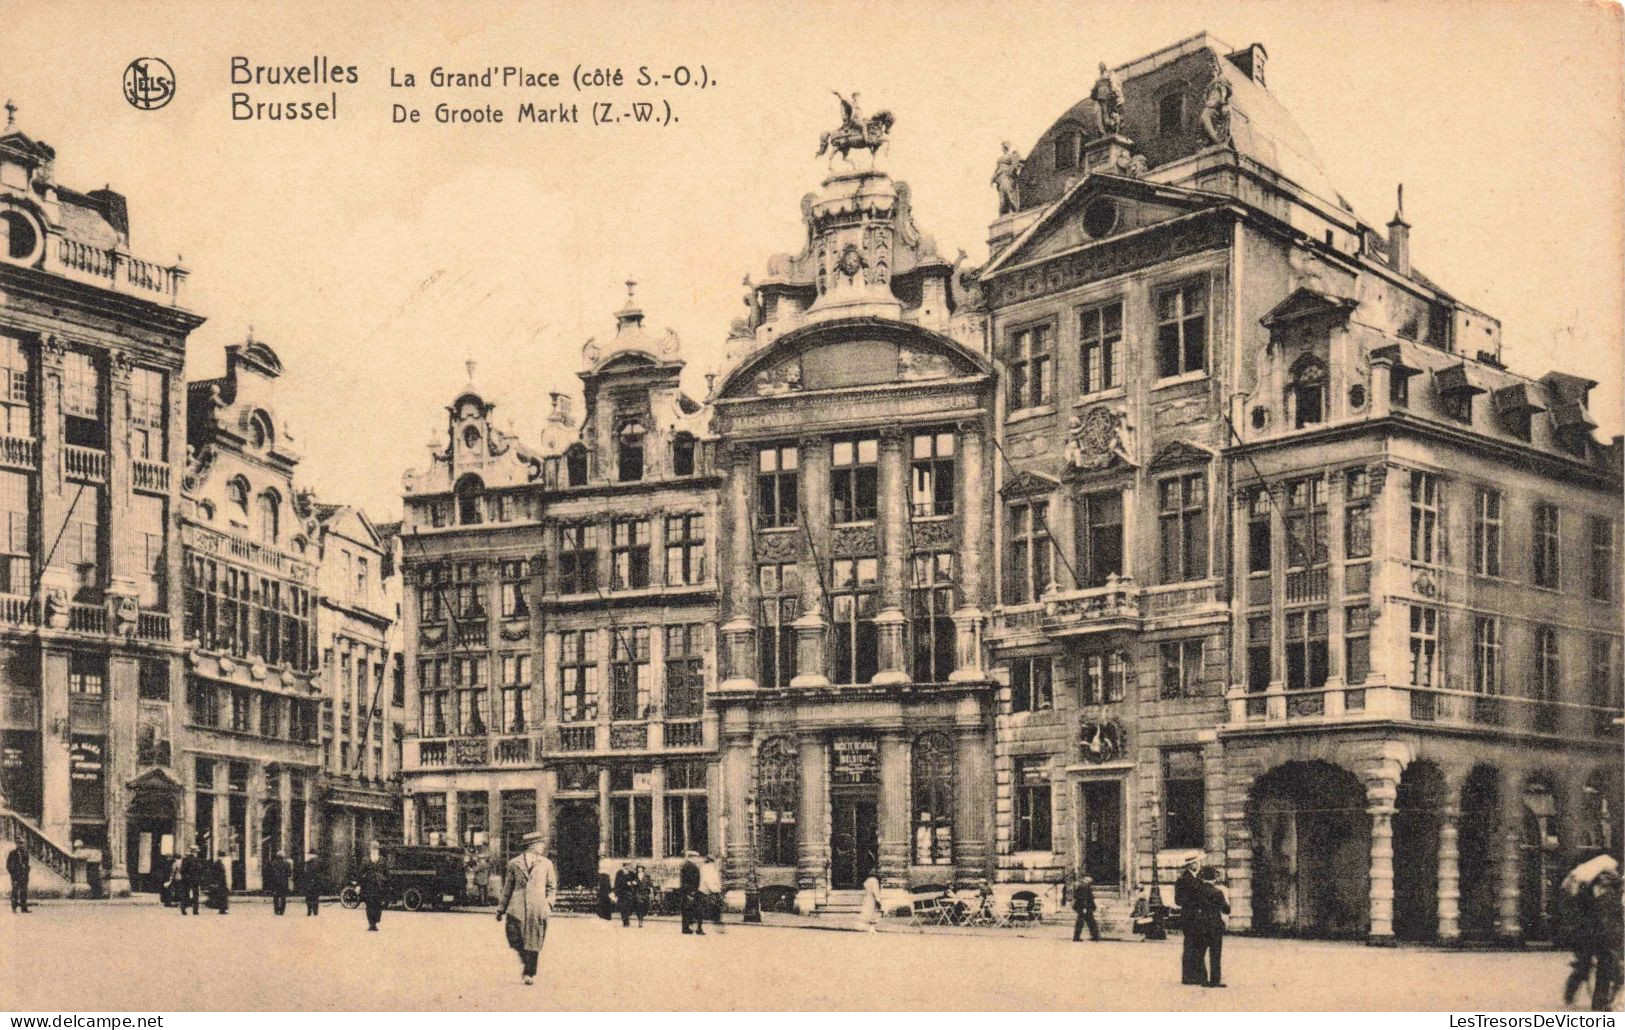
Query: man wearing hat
[[1188, 898], [310, 879], [374, 883], [528, 887], [688, 880], [191, 879]]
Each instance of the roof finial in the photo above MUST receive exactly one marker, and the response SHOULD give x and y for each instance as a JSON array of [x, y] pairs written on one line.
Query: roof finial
[[250, 334], [469, 364], [631, 291], [11, 115]]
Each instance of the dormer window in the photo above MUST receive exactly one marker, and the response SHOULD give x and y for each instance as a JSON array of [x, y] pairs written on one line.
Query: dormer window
[[259, 431], [269, 517], [471, 437], [1515, 405], [470, 501], [575, 465], [1170, 114], [1456, 391], [1066, 151], [1306, 394], [237, 494], [629, 463], [683, 447]]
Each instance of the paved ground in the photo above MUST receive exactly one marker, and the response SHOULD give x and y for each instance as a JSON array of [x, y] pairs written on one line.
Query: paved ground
[[140, 956]]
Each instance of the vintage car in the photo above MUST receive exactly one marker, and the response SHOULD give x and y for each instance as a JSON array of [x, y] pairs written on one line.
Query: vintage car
[[420, 876]]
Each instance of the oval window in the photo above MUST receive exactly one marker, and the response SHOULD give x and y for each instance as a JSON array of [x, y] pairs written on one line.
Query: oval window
[[1099, 217], [1357, 396]]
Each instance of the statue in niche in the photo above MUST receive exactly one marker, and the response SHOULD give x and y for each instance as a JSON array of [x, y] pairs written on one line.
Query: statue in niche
[[1005, 175]]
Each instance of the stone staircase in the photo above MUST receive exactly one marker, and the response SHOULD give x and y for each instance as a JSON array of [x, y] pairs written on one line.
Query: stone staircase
[[840, 905], [54, 872]]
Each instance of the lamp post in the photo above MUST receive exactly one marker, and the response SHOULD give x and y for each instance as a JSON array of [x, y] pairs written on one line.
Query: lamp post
[[1155, 930], [753, 891]]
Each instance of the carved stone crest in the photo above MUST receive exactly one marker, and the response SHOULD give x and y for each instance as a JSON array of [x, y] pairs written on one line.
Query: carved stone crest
[[785, 377], [1098, 438], [1101, 742], [778, 547]]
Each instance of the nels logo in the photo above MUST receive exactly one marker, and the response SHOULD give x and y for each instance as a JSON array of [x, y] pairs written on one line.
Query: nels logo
[[149, 83]]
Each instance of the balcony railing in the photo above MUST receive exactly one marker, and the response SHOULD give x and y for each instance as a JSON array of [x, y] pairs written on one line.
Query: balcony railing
[[19, 452], [87, 618], [512, 751], [578, 738], [471, 633], [432, 753], [685, 733], [84, 464], [16, 610], [227, 545], [1379, 702], [152, 626], [1114, 605], [115, 270], [1305, 585], [149, 476], [1015, 619]]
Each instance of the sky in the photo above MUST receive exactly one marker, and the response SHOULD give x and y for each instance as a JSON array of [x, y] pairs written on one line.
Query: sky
[[378, 258]]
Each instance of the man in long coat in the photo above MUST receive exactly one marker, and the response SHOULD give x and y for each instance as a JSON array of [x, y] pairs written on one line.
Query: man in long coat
[[1188, 896], [1083, 903], [626, 892], [311, 881], [277, 874], [689, 882], [528, 887], [374, 883], [219, 887], [191, 880], [17, 867]]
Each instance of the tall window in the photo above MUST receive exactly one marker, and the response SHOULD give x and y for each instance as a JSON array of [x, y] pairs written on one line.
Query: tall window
[[683, 449], [629, 544], [933, 785], [515, 692], [578, 676], [685, 671], [1170, 114], [1306, 649], [853, 479], [780, 589], [1424, 517], [1424, 637], [687, 822], [1181, 330], [512, 572], [685, 549], [16, 388], [575, 465], [1033, 827], [1027, 554], [1602, 558], [1357, 532], [1183, 798], [1306, 544], [237, 498], [202, 702], [1031, 686], [1030, 367], [241, 710], [934, 602], [1607, 689], [852, 597], [1182, 519], [1307, 391], [1100, 678], [1099, 527], [1181, 668], [14, 523], [578, 558], [470, 500], [629, 452], [471, 695], [778, 789], [153, 682], [270, 716], [1356, 643], [466, 590], [432, 579], [629, 673], [148, 391], [932, 474], [435, 698], [1259, 553], [81, 546], [776, 486], [432, 819], [1487, 533], [1546, 546], [1258, 653], [87, 675], [1547, 685], [473, 818], [1100, 337], [631, 818], [82, 418], [270, 516], [1486, 655]]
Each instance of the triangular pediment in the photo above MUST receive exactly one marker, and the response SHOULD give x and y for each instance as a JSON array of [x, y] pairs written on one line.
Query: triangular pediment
[[1098, 208], [1029, 483], [155, 778], [1181, 453], [1306, 303]]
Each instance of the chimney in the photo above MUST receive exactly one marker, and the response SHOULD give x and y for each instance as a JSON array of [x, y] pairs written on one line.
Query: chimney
[[561, 408], [1399, 238], [1251, 61]]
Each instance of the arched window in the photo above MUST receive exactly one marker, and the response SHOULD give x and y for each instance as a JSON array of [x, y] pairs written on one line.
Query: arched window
[[629, 464], [575, 465], [778, 791], [470, 500], [259, 431], [1306, 394], [269, 514], [683, 448], [933, 799], [237, 494]]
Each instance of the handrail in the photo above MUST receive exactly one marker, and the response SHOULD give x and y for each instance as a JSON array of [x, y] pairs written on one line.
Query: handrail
[[40, 847]]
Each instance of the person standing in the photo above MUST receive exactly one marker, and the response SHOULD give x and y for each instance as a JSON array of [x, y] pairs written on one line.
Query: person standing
[[277, 874], [646, 891], [711, 888], [310, 881], [1595, 937], [17, 867], [689, 883], [1083, 903], [191, 880], [1188, 898], [219, 887], [626, 889], [374, 883], [527, 900], [1215, 905], [871, 901]]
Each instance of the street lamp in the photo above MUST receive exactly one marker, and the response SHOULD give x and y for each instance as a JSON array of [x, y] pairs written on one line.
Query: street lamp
[[753, 891], [1155, 930]]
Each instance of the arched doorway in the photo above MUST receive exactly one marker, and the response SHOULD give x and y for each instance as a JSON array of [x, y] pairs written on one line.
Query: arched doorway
[[1541, 866], [1475, 847], [1311, 851], [576, 843], [152, 825], [1416, 852]]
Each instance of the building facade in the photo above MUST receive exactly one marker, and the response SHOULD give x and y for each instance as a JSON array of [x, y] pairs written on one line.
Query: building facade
[[91, 454]]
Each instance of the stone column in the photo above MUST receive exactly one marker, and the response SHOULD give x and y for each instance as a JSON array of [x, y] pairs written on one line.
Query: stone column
[[812, 628], [1380, 797], [895, 804], [736, 790], [657, 811], [1508, 918], [812, 830], [1239, 864], [453, 815], [969, 501], [284, 793], [604, 821], [118, 764], [1449, 872], [893, 499], [973, 783], [54, 800]]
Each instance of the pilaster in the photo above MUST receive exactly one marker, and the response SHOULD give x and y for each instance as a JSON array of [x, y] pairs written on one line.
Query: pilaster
[[894, 808]]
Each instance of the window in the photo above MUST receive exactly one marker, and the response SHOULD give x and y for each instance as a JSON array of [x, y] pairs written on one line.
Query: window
[[470, 500], [932, 475], [780, 589], [685, 549], [148, 391], [934, 602], [853, 480], [1602, 558], [683, 448], [1306, 394], [397, 694], [687, 811], [269, 514], [1100, 678], [1546, 546], [1487, 533], [361, 579], [575, 465], [776, 497], [1182, 518], [1027, 554], [631, 814], [513, 575], [685, 671], [1547, 684], [933, 786], [148, 518], [778, 789], [1357, 531], [1099, 537], [1356, 644], [1259, 555], [1031, 687], [432, 819], [16, 388], [629, 549], [81, 546], [1424, 518], [1181, 330], [202, 702], [578, 558], [1399, 387], [1424, 645], [629, 673], [87, 675], [15, 519], [271, 717], [473, 818], [578, 676], [302, 723], [629, 452], [1181, 668], [1100, 338], [1607, 689], [237, 496], [1258, 654], [1486, 655], [1306, 540], [466, 590], [1066, 151], [241, 710], [515, 692], [82, 424], [1306, 649], [153, 684], [852, 604], [1030, 367], [1170, 113], [468, 678], [1183, 798], [1033, 828], [435, 697]]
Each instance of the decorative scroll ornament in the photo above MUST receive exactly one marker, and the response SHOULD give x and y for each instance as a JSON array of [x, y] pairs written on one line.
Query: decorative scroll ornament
[[1102, 742], [778, 547]]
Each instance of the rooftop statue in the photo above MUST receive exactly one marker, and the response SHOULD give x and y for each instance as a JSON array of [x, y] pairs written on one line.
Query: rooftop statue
[[1216, 109], [1004, 179], [855, 132], [1108, 97]]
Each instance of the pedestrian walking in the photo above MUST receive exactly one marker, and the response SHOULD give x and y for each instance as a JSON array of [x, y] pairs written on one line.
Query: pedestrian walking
[[871, 901], [1188, 898], [17, 867], [278, 872], [1594, 934], [171, 889], [191, 880], [218, 887], [689, 883], [527, 900], [626, 889], [711, 888], [374, 883], [646, 893], [310, 881], [1083, 903], [1214, 906]]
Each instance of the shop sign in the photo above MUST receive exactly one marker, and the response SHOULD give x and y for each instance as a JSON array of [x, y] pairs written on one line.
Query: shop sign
[[85, 760], [854, 761]]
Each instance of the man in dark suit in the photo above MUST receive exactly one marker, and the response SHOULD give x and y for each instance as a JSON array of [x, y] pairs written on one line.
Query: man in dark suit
[[1083, 903], [626, 892], [18, 865], [310, 881], [219, 887], [374, 883], [689, 882], [1188, 898], [191, 880], [277, 874], [1214, 906]]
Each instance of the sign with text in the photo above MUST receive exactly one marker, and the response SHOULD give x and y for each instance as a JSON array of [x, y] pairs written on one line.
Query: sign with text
[[854, 761]]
